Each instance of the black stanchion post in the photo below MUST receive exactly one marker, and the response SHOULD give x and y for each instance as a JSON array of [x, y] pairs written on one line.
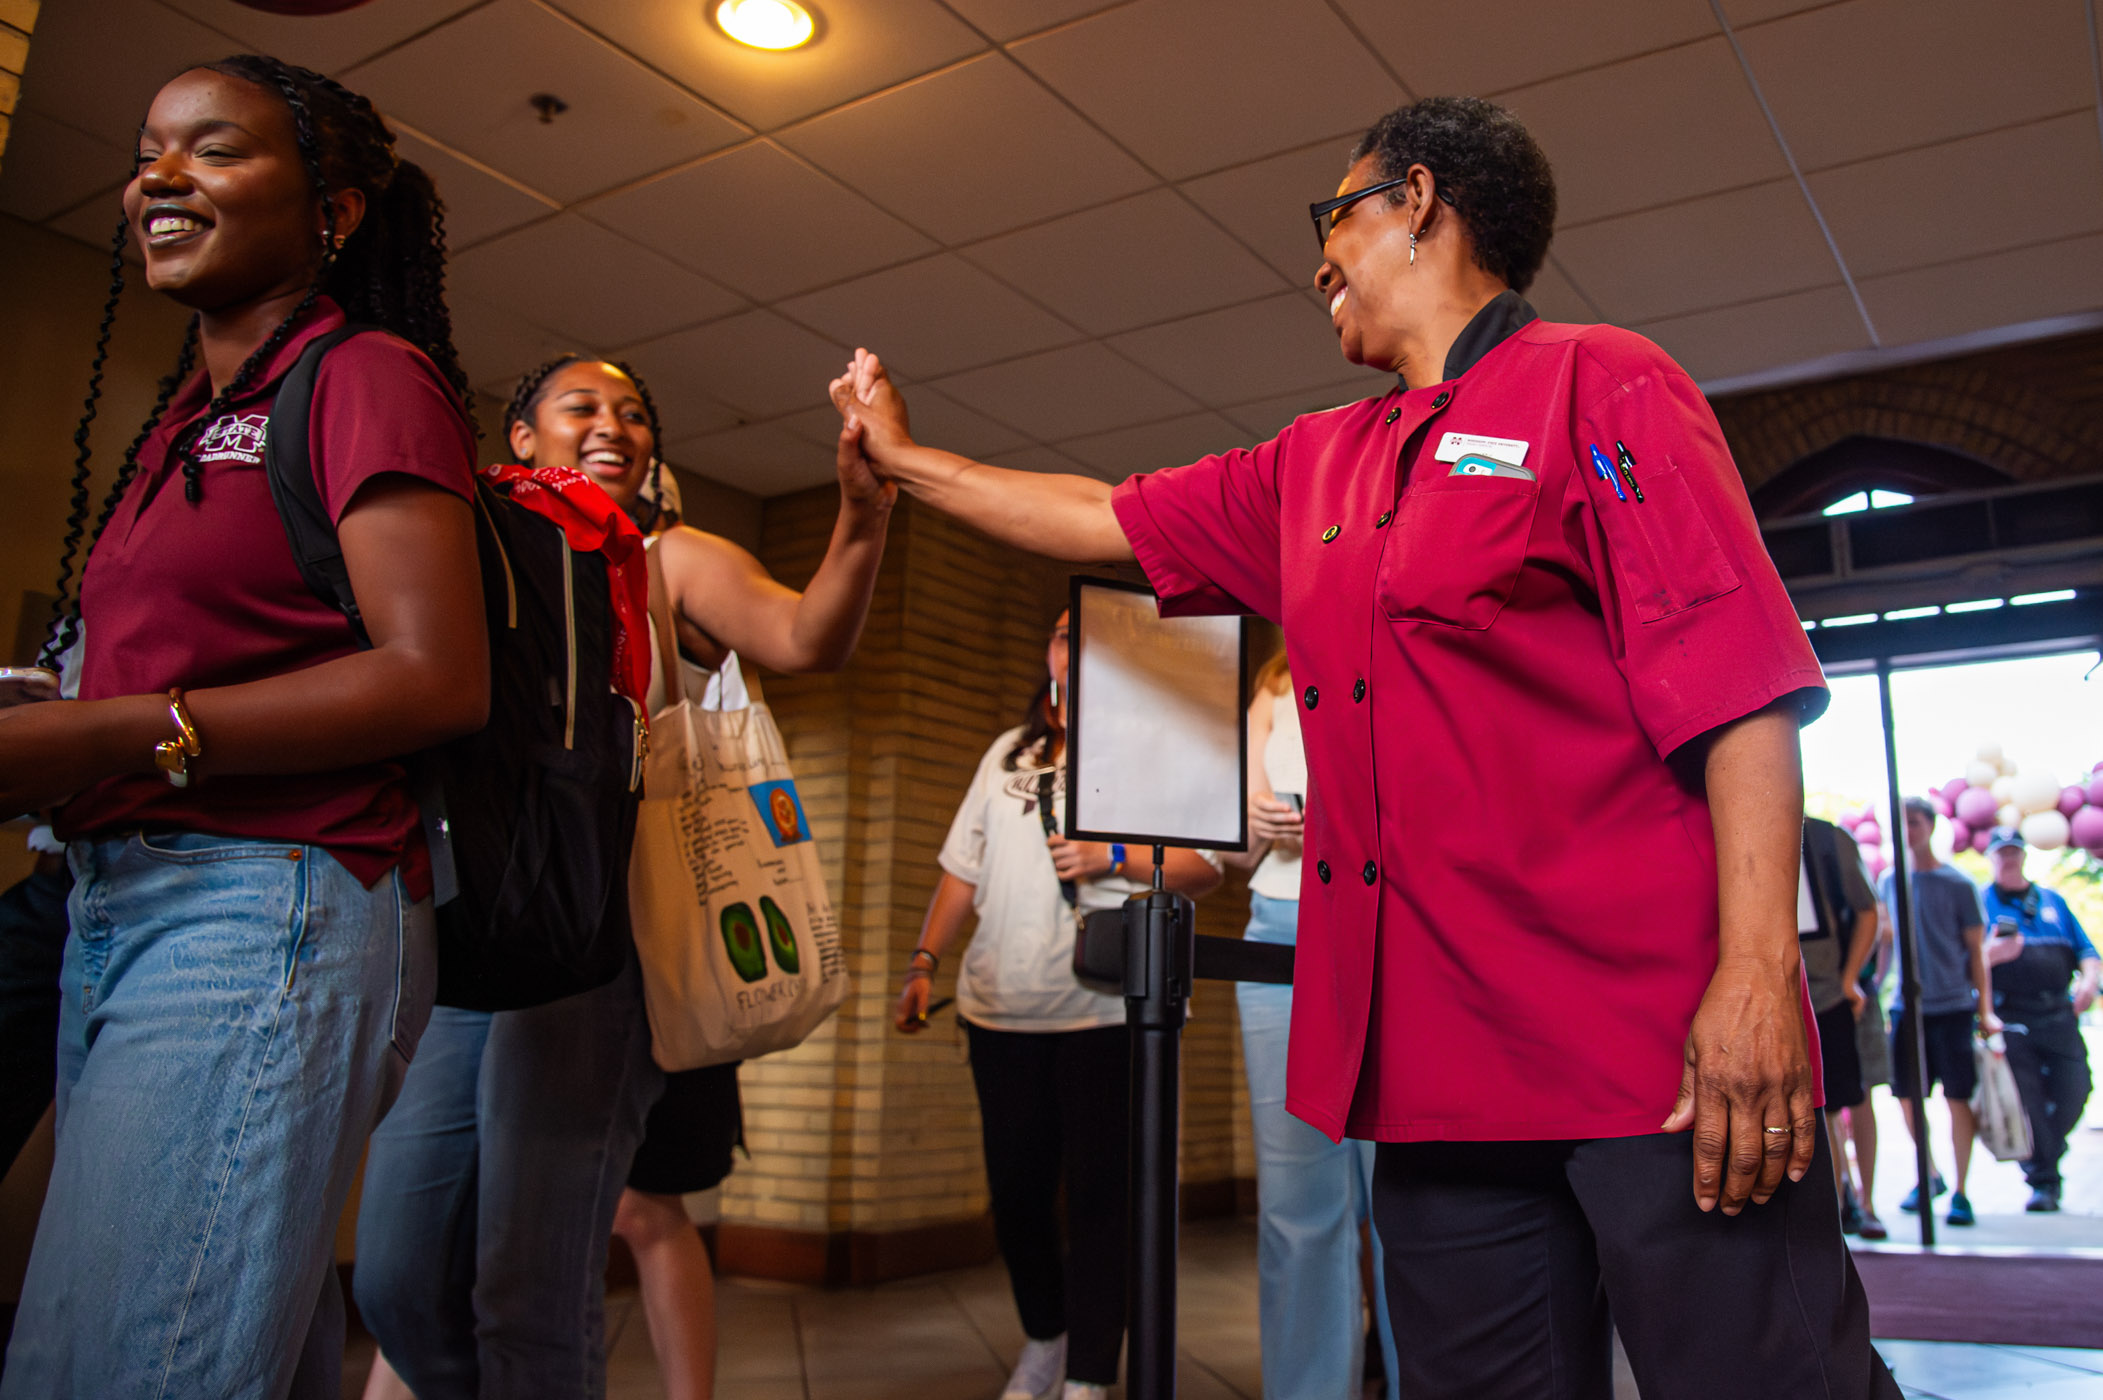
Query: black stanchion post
[[1159, 930], [1908, 939]]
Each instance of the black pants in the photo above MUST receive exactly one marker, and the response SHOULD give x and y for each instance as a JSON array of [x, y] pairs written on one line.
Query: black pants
[[1054, 1106], [1504, 1259], [2050, 1063], [32, 944]]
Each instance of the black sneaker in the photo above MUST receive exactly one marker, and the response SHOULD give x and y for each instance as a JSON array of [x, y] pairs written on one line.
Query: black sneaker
[[2042, 1202], [1850, 1216]]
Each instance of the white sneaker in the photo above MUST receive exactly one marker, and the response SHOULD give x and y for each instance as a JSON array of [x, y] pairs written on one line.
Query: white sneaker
[[1085, 1390], [1038, 1370]]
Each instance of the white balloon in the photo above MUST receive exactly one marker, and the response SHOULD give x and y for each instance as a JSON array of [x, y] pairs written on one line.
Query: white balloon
[[2003, 790], [2034, 790], [2047, 831], [1979, 774], [1989, 752], [2009, 815]]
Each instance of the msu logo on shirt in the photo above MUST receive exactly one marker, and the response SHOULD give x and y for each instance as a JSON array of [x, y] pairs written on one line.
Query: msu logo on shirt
[[237, 437]]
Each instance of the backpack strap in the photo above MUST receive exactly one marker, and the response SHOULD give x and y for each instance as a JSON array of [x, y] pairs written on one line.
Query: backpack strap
[[289, 465]]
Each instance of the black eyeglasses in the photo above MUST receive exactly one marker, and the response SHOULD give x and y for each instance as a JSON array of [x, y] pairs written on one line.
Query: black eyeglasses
[[1326, 212]]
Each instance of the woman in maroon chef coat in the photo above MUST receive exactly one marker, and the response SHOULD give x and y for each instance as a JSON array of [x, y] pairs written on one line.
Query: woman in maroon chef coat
[[1526, 579]]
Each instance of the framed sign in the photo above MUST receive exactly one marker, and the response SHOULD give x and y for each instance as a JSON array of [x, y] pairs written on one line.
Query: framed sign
[[1157, 725]]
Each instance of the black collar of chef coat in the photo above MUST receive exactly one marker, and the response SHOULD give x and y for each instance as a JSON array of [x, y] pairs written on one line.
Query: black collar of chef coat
[[1490, 327]]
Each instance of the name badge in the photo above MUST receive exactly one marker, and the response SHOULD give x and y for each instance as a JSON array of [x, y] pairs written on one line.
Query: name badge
[[1454, 446]]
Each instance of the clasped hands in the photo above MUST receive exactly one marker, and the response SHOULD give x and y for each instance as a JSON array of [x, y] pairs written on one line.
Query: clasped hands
[[873, 425]]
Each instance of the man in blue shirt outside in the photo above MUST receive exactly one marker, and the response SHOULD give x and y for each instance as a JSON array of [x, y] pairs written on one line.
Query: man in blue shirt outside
[[2040, 1019], [1955, 985]]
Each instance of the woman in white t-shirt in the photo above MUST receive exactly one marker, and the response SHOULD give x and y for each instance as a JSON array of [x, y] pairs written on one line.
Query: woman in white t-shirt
[[1311, 1194], [1049, 1057]]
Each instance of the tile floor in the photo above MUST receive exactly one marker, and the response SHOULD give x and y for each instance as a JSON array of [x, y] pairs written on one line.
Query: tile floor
[[951, 1336]]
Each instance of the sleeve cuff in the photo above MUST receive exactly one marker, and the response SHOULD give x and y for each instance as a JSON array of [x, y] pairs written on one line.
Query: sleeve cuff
[[1181, 593]]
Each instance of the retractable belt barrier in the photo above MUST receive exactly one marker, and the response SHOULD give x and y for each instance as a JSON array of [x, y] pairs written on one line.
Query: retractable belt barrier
[[1150, 950]]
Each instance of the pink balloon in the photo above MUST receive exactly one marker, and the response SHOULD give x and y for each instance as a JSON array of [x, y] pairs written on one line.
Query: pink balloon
[[1942, 805], [2072, 800], [1869, 833], [2095, 790], [1878, 863], [1980, 841], [2088, 828], [1975, 807], [1954, 786], [1960, 836]]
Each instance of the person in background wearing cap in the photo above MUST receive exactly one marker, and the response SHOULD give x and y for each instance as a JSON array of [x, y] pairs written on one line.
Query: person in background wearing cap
[[1955, 985], [2038, 1016]]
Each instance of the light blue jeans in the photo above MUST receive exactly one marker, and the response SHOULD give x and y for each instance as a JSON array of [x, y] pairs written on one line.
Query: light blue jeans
[[1311, 1195], [236, 1016], [490, 1192]]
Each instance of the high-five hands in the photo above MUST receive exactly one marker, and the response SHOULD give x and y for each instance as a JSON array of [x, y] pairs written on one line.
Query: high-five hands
[[869, 402]]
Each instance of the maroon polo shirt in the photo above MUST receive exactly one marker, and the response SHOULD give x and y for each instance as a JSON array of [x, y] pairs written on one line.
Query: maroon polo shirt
[[206, 593], [1508, 911]]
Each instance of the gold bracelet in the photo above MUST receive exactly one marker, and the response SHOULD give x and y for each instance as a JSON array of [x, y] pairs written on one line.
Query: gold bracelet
[[172, 756]]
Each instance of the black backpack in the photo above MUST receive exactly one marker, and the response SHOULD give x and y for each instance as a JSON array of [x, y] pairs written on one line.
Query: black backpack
[[530, 820]]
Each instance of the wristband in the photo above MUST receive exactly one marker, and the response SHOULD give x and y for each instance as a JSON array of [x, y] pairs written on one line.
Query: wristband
[[934, 960], [1117, 857]]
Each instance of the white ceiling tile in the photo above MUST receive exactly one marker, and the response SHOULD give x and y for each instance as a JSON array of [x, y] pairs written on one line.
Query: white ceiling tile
[[1263, 347], [971, 152], [861, 47], [51, 167], [759, 220], [1265, 418], [1171, 442], [1011, 19], [1487, 46], [1556, 298], [757, 363], [1065, 393], [467, 83], [1871, 76], [1760, 335], [1264, 203], [1653, 129], [761, 458], [327, 43], [97, 66], [1998, 289], [577, 279], [497, 345], [1248, 77], [931, 317], [1907, 210], [478, 204], [94, 220], [1747, 245], [938, 421], [1144, 259]]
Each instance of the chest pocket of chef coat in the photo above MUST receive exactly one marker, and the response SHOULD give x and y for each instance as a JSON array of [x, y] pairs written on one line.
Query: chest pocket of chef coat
[[1665, 556], [1456, 548]]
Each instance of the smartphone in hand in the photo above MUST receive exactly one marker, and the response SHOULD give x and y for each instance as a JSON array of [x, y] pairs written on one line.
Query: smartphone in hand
[[24, 685]]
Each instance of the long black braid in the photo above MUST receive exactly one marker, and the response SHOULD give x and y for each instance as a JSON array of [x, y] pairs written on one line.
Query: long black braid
[[534, 382], [389, 271]]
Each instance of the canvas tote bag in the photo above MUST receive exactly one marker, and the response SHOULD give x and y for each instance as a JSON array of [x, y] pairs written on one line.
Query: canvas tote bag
[[2003, 1126], [739, 946]]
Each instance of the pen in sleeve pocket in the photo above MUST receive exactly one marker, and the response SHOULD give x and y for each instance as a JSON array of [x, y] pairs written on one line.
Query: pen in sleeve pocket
[[1627, 460], [1606, 472]]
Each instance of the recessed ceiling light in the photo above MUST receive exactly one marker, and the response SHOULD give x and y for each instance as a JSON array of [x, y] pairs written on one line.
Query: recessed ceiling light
[[766, 24]]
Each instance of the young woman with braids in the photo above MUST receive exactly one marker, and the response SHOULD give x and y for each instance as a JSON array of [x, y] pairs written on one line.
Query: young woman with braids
[[493, 1185], [250, 963]]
